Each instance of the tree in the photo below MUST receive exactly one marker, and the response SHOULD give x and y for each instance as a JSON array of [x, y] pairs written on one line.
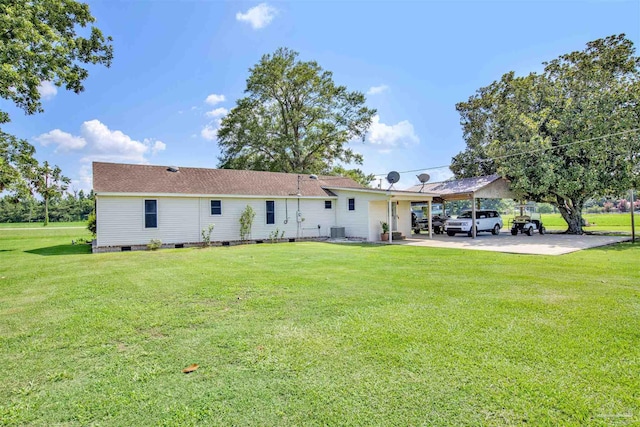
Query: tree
[[50, 184], [356, 174], [294, 119], [16, 158], [563, 136], [38, 45]]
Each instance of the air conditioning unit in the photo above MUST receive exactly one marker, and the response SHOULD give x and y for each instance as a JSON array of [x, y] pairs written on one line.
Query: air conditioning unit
[[337, 233]]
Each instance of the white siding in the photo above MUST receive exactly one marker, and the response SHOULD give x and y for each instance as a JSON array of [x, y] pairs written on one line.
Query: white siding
[[227, 225], [360, 222], [120, 221]]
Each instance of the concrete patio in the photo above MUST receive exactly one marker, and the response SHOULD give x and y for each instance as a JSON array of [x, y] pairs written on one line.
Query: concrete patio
[[547, 244]]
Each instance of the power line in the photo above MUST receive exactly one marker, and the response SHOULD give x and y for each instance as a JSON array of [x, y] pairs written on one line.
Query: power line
[[506, 156]]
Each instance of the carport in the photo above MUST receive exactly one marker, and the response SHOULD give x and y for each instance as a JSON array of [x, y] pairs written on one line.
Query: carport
[[472, 189]]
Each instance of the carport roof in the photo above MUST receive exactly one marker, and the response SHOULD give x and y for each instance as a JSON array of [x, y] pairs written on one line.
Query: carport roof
[[488, 186]]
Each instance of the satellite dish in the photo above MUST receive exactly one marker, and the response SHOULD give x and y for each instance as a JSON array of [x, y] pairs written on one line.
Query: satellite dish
[[173, 169], [424, 177], [393, 177]]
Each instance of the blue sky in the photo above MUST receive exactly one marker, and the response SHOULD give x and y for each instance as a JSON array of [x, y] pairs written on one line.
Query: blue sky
[[180, 65]]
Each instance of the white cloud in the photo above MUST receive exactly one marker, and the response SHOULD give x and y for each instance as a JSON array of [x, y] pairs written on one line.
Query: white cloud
[[402, 133], [209, 132], [158, 146], [64, 141], [47, 90], [259, 16], [213, 99], [218, 112], [375, 90]]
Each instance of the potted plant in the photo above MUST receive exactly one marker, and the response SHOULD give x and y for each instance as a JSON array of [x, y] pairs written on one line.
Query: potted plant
[[385, 231]]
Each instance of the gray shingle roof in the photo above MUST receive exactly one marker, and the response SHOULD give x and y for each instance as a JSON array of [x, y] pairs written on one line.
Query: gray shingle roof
[[146, 179]]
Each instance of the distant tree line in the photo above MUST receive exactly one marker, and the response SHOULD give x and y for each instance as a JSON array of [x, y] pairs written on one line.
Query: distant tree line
[[71, 207]]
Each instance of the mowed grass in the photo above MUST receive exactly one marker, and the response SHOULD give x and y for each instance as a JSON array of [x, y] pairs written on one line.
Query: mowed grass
[[603, 223], [316, 334]]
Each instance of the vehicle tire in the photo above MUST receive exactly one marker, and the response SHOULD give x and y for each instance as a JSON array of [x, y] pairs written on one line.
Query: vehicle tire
[[543, 230], [417, 231], [470, 232], [514, 231], [530, 231], [450, 233], [496, 230]]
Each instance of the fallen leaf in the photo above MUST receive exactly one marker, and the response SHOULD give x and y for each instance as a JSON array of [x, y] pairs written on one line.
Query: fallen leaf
[[190, 368]]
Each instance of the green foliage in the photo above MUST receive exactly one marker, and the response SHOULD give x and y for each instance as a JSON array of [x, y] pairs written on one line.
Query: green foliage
[[385, 227], [294, 119], [38, 43], [154, 244], [206, 235], [562, 136], [283, 340], [92, 225], [49, 183], [246, 222], [275, 235], [71, 207], [16, 160], [356, 174]]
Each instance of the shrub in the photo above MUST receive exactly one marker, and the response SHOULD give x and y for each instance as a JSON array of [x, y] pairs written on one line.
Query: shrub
[[92, 226], [154, 244], [246, 221], [206, 235]]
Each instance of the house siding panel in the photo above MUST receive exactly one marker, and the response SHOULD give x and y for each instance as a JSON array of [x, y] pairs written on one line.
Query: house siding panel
[[120, 221], [227, 225]]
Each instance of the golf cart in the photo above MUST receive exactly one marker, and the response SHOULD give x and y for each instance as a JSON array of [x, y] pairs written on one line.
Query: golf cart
[[526, 221], [419, 222]]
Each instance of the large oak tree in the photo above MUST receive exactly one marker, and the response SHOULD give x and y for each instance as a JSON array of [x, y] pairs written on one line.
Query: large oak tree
[[293, 119], [562, 136]]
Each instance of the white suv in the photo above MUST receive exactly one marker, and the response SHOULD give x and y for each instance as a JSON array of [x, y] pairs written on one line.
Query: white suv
[[486, 220]]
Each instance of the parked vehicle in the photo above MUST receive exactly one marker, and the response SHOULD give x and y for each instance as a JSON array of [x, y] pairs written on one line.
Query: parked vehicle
[[526, 221], [419, 223], [486, 220]]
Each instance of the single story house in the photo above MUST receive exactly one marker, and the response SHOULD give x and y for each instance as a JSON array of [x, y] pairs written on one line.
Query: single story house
[[139, 203]]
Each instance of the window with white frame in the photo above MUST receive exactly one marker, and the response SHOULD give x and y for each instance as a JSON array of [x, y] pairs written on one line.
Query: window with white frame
[[216, 207], [271, 212], [352, 204], [327, 204], [150, 214]]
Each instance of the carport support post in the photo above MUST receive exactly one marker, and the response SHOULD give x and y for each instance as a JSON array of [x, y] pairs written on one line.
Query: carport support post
[[473, 215], [389, 222], [430, 222]]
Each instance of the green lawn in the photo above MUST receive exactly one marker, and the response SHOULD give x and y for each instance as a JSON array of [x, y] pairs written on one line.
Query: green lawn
[[617, 223], [77, 224], [315, 334]]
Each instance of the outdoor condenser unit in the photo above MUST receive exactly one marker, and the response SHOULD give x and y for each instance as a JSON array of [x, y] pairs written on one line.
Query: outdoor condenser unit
[[337, 232]]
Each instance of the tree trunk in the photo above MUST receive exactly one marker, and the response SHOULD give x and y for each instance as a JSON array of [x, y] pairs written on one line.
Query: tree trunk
[[46, 211], [571, 212]]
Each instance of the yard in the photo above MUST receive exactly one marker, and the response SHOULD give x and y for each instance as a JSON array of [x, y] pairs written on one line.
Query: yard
[[315, 334]]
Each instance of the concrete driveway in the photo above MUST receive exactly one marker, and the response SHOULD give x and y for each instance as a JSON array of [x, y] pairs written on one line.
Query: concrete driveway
[[547, 244]]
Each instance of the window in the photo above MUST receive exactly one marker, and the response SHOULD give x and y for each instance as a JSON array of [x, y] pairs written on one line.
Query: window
[[352, 204], [327, 204], [271, 212], [150, 214], [216, 207]]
